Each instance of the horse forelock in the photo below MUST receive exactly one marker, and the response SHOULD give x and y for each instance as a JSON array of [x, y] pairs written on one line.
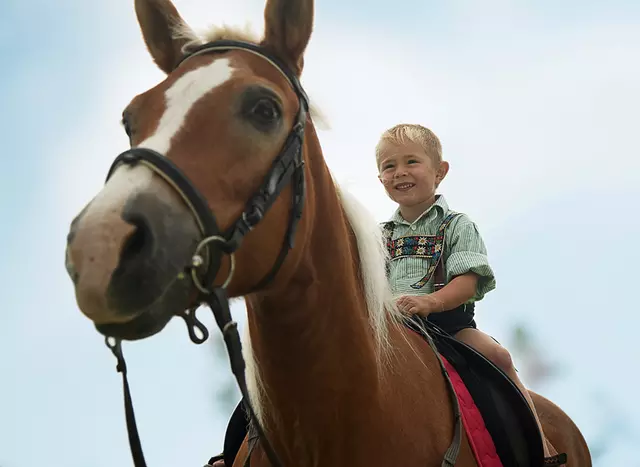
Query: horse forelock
[[214, 33], [235, 33]]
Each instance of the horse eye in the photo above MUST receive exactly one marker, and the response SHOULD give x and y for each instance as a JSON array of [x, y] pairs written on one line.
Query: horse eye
[[265, 111]]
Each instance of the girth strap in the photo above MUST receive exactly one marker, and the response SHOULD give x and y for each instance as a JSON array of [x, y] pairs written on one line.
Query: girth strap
[[451, 455], [253, 439]]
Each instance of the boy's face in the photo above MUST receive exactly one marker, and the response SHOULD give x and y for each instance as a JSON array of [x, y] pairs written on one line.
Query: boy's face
[[409, 175]]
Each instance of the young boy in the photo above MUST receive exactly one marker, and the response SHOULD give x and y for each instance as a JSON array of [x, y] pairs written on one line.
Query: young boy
[[410, 165]]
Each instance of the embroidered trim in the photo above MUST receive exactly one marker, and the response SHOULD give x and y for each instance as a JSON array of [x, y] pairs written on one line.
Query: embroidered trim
[[422, 246]]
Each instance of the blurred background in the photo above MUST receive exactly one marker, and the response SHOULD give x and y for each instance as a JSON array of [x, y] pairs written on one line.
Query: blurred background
[[536, 104]]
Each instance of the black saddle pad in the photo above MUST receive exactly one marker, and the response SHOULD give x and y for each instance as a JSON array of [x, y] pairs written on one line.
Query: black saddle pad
[[504, 409]]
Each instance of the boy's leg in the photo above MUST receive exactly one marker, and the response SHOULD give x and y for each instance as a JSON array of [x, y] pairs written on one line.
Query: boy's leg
[[501, 357]]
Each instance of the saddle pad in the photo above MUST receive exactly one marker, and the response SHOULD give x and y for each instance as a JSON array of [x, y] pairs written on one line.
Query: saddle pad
[[484, 450]]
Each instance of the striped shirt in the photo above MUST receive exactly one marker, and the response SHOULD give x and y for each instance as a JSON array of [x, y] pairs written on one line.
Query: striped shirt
[[464, 251]]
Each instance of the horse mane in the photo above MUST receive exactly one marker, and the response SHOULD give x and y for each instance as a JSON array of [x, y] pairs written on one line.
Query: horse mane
[[235, 33], [373, 259]]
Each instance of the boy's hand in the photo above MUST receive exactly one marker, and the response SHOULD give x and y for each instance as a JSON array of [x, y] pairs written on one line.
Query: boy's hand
[[422, 305]]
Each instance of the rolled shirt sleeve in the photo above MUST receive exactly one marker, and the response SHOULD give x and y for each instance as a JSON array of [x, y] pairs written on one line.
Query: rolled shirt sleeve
[[468, 253]]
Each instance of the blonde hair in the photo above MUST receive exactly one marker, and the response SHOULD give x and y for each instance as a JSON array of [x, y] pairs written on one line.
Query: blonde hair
[[410, 132]]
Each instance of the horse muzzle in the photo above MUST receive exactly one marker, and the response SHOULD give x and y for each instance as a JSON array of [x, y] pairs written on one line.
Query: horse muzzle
[[128, 261]]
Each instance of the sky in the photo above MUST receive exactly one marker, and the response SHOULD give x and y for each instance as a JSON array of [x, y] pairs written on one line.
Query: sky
[[535, 102]]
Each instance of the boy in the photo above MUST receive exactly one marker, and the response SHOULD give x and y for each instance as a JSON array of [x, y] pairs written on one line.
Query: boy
[[410, 166]]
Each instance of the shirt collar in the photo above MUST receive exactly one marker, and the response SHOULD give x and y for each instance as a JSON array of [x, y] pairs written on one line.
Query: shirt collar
[[439, 205]]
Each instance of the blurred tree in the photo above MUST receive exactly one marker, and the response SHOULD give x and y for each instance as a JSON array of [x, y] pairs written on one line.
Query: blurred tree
[[534, 368]]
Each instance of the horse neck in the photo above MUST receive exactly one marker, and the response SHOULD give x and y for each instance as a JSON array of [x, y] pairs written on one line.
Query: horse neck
[[313, 338]]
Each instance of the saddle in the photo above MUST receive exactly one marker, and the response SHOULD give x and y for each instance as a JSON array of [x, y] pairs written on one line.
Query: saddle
[[500, 404], [501, 408]]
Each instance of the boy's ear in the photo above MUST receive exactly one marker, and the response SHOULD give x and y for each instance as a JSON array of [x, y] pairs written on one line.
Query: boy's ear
[[443, 170]]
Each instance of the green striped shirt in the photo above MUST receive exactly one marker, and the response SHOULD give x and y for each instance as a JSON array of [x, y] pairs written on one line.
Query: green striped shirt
[[464, 251]]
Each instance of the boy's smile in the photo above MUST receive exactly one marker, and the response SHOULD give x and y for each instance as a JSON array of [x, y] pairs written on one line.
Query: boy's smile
[[404, 186]]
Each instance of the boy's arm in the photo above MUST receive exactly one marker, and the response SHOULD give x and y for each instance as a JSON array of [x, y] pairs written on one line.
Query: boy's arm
[[458, 291]]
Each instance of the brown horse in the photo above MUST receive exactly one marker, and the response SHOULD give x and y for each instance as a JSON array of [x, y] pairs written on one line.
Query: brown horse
[[336, 380]]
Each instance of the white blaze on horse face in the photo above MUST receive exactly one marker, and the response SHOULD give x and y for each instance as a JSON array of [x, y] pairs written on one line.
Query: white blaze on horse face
[[180, 99]]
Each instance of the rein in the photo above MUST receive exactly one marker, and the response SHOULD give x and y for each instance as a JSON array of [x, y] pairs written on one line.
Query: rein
[[287, 168]]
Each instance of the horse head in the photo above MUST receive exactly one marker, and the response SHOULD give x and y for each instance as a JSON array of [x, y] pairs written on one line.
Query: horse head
[[211, 191]]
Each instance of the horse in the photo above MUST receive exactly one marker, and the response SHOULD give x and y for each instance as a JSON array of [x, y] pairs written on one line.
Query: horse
[[225, 189]]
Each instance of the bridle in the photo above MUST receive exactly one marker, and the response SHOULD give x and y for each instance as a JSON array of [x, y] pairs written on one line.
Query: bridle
[[287, 168]]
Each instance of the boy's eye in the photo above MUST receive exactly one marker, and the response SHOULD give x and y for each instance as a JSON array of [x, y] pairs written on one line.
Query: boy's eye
[[412, 161]]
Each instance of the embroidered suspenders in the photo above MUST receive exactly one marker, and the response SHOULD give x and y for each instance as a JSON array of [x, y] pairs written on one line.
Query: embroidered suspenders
[[423, 246]]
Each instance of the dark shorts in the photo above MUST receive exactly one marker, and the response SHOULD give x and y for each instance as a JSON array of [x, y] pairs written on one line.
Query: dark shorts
[[453, 321]]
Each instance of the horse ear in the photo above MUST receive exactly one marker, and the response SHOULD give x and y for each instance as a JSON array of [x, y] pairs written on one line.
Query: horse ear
[[164, 31], [288, 26]]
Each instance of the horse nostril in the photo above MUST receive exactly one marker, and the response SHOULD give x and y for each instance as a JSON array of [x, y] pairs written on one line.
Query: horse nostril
[[139, 243]]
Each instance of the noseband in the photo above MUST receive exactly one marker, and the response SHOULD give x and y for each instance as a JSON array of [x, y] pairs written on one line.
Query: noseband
[[287, 168]]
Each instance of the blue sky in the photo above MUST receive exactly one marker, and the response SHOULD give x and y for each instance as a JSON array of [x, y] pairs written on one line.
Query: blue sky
[[536, 105]]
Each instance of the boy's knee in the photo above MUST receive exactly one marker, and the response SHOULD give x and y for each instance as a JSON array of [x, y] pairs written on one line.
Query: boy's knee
[[501, 358], [490, 348]]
